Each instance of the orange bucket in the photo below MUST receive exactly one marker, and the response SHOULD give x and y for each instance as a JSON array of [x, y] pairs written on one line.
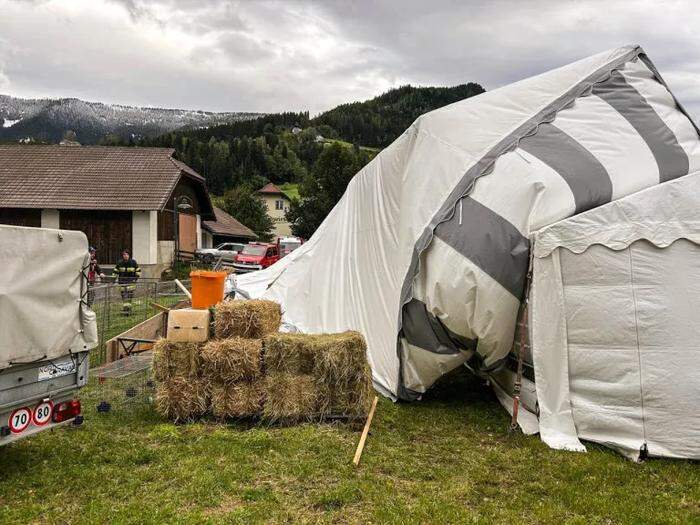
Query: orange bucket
[[207, 288]]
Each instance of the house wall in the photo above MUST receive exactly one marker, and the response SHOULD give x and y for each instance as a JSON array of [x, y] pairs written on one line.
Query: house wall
[[144, 232], [282, 227], [207, 239]]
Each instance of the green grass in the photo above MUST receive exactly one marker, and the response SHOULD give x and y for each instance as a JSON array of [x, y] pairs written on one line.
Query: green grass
[[291, 190], [448, 459], [370, 150]]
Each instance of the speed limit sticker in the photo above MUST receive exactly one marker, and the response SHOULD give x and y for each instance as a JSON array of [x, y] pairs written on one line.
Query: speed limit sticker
[[20, 419], [42, 413]]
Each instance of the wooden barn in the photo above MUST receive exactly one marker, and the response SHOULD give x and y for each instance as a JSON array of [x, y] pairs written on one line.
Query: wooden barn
[[141, 199]]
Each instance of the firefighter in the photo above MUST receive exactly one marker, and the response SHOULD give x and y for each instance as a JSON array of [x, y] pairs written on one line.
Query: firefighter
[[127, 271], [94, 271]]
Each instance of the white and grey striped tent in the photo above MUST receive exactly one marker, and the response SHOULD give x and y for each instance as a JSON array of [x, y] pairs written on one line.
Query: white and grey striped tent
[[427, 253]]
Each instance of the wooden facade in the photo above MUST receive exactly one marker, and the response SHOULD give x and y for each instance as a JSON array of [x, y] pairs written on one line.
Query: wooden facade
[[20, 217], [185, 191], [109, 232]]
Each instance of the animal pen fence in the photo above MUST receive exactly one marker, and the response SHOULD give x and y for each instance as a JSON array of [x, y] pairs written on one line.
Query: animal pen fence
[[118, 309]]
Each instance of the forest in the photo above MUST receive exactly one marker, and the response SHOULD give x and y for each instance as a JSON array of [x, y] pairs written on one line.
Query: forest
[[320, 154]]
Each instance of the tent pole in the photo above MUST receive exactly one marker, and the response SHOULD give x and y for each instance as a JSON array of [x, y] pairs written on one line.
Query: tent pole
[[521, 351]]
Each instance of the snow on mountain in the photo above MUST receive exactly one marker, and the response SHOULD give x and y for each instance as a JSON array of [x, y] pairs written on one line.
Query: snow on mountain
[[48, 119]]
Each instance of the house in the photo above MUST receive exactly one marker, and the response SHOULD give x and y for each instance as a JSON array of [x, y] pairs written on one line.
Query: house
[[141, 199], [277, 203], [225, 229]]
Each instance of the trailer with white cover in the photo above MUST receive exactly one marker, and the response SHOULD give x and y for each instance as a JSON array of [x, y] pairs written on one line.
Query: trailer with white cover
[[46, 329]]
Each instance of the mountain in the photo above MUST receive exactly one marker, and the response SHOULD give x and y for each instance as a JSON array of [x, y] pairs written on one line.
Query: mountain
[[47, 120], [378, 121], [373, 123], [284, 147]]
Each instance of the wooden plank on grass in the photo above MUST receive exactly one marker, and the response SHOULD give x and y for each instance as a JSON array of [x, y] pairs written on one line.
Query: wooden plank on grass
[[365, 432]]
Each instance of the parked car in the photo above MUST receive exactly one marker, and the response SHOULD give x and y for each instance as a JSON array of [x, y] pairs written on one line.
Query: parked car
[[47, 329], [256, 256], [287, 245], [227, 250]]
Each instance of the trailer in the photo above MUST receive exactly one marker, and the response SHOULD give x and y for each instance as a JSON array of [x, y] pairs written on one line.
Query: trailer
[[46, 329]]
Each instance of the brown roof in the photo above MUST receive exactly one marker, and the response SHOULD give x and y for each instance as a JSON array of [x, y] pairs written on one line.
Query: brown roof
[[271, 189], [227, 225], [91, 177]]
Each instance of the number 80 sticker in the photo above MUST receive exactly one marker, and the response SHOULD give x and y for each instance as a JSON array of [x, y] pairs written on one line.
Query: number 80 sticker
[[42, 413], [20, 419]]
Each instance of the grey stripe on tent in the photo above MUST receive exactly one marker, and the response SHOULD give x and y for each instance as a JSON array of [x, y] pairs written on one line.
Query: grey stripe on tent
[[490, 242], [586, 176], [422, 329], [628, 102], [478, 169]]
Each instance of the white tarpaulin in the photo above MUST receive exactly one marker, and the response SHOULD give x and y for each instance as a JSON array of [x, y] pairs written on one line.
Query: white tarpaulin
[[41, 286], [614, 324], [426, 254]]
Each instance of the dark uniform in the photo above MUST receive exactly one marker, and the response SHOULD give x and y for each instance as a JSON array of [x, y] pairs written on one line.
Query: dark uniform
[[93, 271], [127, 273]]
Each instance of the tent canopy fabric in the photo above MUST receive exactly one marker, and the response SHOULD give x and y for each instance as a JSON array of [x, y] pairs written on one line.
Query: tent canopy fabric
[[613, 324], [427, 252]]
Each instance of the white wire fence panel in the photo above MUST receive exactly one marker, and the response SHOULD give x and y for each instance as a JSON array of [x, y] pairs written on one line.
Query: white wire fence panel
[[119, 307]]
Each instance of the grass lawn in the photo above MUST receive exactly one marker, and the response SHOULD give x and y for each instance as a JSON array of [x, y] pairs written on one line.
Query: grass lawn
[[448, 459], [291, 190]]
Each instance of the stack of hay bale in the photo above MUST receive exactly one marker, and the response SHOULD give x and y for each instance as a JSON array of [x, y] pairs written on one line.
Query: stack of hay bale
[[311, 377], [181, 392], [251, 370]]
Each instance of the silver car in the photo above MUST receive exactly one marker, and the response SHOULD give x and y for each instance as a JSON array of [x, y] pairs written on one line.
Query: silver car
[[227, 251]]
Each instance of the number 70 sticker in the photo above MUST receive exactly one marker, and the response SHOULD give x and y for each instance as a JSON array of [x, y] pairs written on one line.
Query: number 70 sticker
[[20, 419]]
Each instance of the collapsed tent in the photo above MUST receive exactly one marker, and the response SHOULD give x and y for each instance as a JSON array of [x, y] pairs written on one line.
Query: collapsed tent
[[427, 253]]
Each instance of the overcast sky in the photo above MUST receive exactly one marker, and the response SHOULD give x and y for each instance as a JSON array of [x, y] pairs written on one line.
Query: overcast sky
[[311, 55]]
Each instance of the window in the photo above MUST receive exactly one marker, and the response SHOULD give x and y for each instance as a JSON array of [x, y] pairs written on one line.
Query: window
[[279, 204], [253, 249]]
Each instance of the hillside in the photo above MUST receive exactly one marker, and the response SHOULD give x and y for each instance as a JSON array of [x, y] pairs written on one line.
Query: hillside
[[377, 122], [46, 120], [283, 147], [373, 123]]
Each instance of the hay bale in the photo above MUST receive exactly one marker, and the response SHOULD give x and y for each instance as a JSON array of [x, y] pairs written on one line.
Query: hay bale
[[172, 360], [289, 398], [343, 376], [228, 360], [290, 353], [236, 400], [253, 319], [182, 399], [336, 362]]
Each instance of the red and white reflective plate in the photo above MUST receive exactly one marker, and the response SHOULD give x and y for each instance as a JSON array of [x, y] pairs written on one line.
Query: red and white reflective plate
[[42, 413], [20, 419]]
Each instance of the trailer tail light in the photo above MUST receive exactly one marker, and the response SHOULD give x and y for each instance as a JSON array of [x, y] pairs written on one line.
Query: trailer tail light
[[66, 410]]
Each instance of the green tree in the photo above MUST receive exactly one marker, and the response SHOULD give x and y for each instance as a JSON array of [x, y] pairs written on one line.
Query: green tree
[[246, 207], [324, 186]]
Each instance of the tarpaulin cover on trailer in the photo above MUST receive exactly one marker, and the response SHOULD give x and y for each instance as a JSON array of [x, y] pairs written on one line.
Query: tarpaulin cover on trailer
[[41, 286], [427, 252]]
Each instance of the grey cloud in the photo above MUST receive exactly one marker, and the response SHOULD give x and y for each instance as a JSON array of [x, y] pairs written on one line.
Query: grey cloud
[[296, 54]]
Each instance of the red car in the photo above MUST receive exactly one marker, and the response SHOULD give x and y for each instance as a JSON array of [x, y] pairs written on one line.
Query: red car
[[256, 256]]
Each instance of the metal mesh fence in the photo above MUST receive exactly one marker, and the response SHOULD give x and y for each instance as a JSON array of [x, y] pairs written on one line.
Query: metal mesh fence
[[118, 308]]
